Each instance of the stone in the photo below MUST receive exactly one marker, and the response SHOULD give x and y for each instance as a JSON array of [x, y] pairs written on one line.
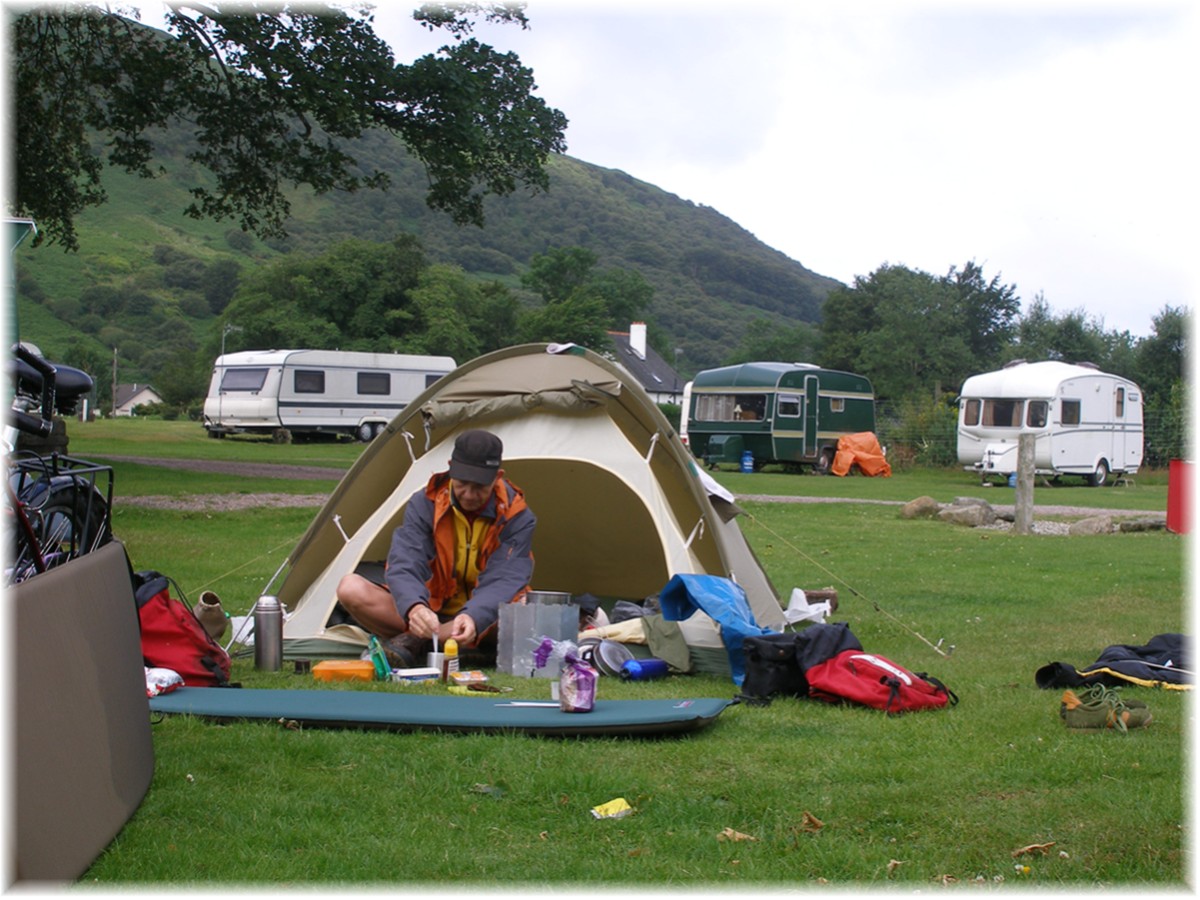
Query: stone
[[920, 508]]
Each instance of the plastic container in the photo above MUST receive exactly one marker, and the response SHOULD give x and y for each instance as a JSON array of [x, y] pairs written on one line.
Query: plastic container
[[268, 634], [344, 670], [747, 461]]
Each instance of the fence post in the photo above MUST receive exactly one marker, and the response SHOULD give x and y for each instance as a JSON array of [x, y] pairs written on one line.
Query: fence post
[[1023, 499]]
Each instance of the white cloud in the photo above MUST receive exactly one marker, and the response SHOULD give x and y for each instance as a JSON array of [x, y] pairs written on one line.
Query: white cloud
[[1050, 143]]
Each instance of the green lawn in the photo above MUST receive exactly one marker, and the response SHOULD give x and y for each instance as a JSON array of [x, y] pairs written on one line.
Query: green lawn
[[910, 802]]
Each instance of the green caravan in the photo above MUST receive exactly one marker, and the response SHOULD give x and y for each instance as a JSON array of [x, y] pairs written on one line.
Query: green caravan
[[789, 413]]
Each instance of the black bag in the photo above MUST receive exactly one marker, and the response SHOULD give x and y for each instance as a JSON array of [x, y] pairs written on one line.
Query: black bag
[[771, 668], [775, 663]]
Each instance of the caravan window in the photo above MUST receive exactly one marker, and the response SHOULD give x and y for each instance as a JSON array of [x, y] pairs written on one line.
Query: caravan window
[[971, 412], [1036, 417], [376, 383], [730, 407], [1070, 412], [1002, 413], [243, 379], [309, 381], [788, 405], [1120, 403]]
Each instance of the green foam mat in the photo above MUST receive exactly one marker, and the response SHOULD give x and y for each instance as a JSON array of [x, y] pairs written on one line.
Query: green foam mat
[[417, 712]]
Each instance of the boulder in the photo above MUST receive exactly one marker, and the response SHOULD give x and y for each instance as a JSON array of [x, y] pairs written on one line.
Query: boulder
[[1092, 525], [920, 508], [971, 515]]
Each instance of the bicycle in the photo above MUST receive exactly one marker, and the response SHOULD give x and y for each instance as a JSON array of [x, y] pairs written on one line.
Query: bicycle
[[56, 506]]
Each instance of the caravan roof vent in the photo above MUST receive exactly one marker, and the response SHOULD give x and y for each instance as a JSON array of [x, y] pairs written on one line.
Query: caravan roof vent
[[1015, 362]]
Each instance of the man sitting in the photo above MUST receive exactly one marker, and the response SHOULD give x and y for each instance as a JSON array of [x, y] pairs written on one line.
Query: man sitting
[[463, 548]]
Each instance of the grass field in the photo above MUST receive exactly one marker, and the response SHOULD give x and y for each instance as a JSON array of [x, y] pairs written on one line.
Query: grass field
[[911, 802]]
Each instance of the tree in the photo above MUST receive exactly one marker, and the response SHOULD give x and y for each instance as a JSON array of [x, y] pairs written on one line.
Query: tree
[[903, 328], [769, 340], [272, 94], [1162, 357], [580, 303], [989, 310]]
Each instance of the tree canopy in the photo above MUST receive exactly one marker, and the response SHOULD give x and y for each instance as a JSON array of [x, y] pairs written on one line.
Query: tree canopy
[[271, 95]]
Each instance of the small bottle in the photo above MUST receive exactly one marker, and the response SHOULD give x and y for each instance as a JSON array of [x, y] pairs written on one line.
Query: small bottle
[[450, 659], [268, 634]]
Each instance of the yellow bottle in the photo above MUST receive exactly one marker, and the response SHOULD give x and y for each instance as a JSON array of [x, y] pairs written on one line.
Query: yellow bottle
[[450, 666]]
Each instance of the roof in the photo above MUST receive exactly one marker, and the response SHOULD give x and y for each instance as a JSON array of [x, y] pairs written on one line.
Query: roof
[[128, 392], [1025, 379], [652, 373]]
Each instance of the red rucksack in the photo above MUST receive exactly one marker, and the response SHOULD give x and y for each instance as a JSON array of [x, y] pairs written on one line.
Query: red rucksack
[[873, 680], [172, 636]]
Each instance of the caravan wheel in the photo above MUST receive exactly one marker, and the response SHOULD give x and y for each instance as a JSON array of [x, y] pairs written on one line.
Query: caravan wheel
[[365, 432], [1100, 476]]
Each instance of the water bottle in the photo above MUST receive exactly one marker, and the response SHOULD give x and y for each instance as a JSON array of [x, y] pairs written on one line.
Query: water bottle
[[268, 634], [643, 669]]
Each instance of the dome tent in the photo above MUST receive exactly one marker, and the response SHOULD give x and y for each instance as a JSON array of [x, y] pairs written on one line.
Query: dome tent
[[621, 504]]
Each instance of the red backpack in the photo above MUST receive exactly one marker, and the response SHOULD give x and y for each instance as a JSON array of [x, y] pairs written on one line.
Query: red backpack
[[172, 636], [873, 680]]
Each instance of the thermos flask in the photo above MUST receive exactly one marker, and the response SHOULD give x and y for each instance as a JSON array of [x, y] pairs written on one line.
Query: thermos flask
[[268, 634]]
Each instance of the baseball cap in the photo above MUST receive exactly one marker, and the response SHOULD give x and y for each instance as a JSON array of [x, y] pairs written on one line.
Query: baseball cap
[[476, 456]]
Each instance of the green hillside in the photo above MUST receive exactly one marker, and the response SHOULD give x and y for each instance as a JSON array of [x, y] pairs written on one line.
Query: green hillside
[[145, 274]]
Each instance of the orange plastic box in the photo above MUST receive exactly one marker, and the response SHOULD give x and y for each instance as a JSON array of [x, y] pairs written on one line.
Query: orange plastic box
[[344, 670]]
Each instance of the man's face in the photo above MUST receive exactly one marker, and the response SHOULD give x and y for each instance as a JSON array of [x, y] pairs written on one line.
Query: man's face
[[470, 495]]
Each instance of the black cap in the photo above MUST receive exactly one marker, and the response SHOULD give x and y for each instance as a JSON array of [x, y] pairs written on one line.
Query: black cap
[[476, 457]]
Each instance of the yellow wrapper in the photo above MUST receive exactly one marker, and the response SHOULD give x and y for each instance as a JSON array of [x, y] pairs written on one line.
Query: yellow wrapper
[[613, 809]]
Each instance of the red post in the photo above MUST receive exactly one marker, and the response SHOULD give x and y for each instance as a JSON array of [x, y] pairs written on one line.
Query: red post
[[1179, 491]]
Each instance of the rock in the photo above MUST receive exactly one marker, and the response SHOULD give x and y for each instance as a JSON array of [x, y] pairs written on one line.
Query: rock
[[1148, 523], [972, 515], [1092, 525], [920, 508]]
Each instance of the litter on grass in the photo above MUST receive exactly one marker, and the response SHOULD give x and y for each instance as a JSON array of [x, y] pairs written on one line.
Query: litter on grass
[[613, 809]]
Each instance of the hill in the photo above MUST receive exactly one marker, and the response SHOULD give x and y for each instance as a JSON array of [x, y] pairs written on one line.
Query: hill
[[146, 277]]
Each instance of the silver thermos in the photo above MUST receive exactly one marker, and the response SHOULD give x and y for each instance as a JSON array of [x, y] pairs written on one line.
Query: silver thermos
[[268, 634]]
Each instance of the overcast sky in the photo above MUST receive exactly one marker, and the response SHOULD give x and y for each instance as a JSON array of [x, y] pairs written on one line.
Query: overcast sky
[[1053, 143]]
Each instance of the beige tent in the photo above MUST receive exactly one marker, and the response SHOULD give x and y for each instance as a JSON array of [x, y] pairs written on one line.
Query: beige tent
[[621, 504]]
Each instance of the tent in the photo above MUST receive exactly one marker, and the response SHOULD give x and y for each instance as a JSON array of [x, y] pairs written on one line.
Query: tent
[[621, 504]]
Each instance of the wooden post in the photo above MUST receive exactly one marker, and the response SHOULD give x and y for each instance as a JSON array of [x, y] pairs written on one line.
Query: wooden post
[[1023, 500]]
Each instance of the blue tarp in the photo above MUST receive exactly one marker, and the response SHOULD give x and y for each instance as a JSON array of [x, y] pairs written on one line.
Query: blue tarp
[[724, 602]]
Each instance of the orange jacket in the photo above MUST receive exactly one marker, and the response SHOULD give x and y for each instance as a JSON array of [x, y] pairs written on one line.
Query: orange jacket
[[421, 560]]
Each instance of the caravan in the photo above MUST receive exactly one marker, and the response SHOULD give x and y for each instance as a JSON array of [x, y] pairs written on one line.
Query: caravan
[[1086, 422], [332, 392], [793, 413]]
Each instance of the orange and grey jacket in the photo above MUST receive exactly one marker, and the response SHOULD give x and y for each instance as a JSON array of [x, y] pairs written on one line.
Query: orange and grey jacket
[[421, 561]]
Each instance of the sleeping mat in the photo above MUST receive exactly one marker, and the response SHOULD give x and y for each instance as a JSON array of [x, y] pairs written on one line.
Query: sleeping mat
[[424, 712]]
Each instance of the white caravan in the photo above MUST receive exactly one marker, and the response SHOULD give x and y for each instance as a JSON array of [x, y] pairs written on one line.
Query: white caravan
[[1086, 422], [314, 391]]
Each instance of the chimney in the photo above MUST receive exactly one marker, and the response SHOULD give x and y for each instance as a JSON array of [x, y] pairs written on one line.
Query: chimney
[[637, 339]]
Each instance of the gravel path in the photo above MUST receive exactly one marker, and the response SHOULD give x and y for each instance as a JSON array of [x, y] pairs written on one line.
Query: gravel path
[[248, 500]]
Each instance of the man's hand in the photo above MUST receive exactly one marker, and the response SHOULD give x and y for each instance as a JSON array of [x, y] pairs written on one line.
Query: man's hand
[[462, 629], [422, 621]]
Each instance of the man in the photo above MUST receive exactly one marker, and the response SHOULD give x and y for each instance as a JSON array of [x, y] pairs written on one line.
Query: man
[[462, 550]]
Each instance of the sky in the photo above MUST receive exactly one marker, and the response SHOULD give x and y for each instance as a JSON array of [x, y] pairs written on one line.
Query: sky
[[1054, 143]]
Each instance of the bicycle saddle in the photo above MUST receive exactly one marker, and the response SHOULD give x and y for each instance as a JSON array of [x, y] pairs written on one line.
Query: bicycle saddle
[[69, 383]]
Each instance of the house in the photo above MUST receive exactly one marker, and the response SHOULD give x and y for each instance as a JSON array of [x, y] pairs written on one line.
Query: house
[[661, 382], [130, 396]]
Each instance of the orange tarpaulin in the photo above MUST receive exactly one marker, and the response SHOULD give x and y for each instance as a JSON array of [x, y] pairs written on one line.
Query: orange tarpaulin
[[861, 449]]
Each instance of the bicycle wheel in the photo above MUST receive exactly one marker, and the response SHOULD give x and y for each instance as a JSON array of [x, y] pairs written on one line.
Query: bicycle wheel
[[68, 517]]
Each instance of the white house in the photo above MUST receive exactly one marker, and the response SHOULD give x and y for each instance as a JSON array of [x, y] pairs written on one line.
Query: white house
[[130, 396]]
